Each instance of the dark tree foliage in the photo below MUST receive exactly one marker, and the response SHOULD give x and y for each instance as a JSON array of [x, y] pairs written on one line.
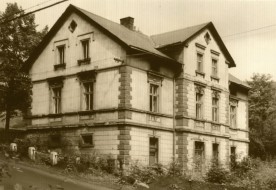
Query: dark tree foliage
[[262, 120], [18, 38]]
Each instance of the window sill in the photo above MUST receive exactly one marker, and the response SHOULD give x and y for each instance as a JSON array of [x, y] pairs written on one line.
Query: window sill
[[215, 78], [84, 61], [54, 115], [200, 73], [60, 66], [86, 146]]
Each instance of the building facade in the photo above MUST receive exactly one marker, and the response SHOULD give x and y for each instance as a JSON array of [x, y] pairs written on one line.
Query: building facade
[[102, 86]]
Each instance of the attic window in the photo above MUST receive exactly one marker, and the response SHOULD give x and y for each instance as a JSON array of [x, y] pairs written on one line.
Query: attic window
[[207, 38], [72, 26]]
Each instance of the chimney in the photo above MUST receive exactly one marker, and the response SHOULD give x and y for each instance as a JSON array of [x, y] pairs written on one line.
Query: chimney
[[127, 22]]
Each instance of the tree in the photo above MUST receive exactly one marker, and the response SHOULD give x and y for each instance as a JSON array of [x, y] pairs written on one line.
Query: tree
[[18, 38], [262, 112]]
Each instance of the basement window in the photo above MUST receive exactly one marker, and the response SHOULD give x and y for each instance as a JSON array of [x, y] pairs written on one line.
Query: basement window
[[87, 140]]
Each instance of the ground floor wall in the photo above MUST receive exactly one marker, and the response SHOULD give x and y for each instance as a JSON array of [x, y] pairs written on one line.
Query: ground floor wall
[[146, 146]]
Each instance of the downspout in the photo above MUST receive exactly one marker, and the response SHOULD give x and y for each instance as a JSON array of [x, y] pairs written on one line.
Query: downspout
[[174, 133]]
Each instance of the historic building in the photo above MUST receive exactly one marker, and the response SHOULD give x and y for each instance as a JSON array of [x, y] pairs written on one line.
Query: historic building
[[102, 86]]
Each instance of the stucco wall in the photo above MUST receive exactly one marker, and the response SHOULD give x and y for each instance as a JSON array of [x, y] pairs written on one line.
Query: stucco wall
[[190, 59], [103, 50], [140, 145]]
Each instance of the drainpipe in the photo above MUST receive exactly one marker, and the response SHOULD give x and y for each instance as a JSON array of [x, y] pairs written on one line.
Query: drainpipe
[[174, 134]]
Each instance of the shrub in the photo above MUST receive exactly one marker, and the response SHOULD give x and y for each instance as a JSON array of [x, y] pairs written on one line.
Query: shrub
[[175, 169], [217, 174]]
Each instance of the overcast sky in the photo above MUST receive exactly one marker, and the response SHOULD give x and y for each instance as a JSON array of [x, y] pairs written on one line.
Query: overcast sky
[[253, 52]]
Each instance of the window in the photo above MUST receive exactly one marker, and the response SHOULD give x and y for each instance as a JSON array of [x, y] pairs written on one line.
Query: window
[[153, 150], [215, 153], [233, 116], [214, 67], [87, 140], [56, 100], [154, 96], [200, 62], [72, 26], [88, 95], [85, 48], [233, 156], [215, 108], [199, 106], [199, 156], [61, 54]]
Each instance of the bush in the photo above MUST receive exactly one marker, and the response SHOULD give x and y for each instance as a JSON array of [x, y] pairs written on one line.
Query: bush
[[175, 169], [217, 174]]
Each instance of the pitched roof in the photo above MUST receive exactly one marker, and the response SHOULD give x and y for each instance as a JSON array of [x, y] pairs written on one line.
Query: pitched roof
[[237, 81], [176, 36], [129, 38], [184, 35]]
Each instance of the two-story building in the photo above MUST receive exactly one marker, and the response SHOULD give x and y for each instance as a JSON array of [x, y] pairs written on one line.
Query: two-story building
[[102, 86]]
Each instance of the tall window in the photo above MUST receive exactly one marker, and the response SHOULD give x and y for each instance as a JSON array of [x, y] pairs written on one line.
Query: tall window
[[199, 155], [199, 106], [215, 109], [61, 54], [233, 156], [85, 48], [233, 116], [88, 95], [199, 62], [154, 96], [215, 152], [214, 67], [56, 100]]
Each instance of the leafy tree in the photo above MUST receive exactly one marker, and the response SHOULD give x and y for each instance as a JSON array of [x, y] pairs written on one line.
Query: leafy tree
[[18, 38], [262, 120]]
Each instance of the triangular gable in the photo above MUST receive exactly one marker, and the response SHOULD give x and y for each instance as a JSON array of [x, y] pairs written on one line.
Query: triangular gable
[[127, 38], [183, 36]]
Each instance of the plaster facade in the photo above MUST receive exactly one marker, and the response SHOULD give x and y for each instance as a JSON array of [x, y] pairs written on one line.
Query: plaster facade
[[143, 105]]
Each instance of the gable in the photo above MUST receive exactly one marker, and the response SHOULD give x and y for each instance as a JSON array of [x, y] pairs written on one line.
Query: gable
[[127, 38], [184, 36], [103, 49]]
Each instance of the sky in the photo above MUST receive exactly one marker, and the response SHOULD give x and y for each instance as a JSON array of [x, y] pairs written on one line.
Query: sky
[[253, 52]]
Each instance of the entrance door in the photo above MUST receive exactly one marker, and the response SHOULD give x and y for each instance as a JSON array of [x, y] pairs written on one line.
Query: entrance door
[[153, 150]]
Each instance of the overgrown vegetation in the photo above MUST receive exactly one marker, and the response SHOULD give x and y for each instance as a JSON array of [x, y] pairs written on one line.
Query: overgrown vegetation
[[262, 120]]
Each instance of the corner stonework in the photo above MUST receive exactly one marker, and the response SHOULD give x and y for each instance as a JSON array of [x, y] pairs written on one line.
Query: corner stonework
[[124, 146], [125, 92], [181, 107]]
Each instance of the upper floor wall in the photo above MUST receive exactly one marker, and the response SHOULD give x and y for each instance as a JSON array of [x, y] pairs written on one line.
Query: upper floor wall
[[204, 61], [67, 47]]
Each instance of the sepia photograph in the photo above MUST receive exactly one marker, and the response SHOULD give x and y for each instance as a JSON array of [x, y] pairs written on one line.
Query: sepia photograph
[[136, 95]]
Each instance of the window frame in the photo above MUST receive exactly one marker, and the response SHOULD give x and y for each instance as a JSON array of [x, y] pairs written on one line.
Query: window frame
[[85, 43], [83, 144], [215, 154], [152, 95], [199, 67], [199, 105], [56, 98], [61, 55], [198, 164], [214, 60], [90, 104], [215, 106]]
